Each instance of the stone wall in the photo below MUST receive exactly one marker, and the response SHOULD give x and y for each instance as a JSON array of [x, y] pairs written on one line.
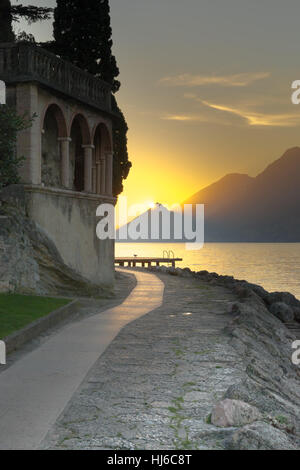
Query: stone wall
[[18, 267], [50, 252], [69, 219]]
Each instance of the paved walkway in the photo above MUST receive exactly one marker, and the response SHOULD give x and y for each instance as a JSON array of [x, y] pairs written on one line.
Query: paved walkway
[[157, 382], [35, 389]]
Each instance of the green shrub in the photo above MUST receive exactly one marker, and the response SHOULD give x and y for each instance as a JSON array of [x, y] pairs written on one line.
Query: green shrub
[[10, 125]]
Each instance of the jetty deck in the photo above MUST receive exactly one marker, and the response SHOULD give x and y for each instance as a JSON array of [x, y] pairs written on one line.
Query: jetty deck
[[134, 260]]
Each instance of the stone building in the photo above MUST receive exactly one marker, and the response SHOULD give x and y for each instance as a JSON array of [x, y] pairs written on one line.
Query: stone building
[[68, 166]]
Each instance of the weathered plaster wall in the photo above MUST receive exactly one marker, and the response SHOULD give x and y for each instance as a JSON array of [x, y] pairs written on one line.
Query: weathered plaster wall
[[51, 165], [70, 221]]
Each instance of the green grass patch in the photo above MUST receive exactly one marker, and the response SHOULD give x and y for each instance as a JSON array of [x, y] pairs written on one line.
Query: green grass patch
[[282, 419], [189, 384], [17, 311]]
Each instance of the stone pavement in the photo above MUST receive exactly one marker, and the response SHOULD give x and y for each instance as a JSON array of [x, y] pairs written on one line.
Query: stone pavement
[[156, 383], [36, 387]]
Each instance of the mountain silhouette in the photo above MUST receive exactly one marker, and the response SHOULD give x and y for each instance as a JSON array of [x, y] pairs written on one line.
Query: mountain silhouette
[[160, 221], [239, 208]]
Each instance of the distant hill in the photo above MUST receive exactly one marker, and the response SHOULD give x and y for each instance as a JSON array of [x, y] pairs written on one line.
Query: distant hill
[[142, 224], [239, 208]]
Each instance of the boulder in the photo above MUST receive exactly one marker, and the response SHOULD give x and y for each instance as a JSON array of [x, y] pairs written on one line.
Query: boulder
[[261, 292], [234, 413], [285, 297], [261, 436], [186, 272], [282, 311], [243, 292], [172, 271], [297, 314]]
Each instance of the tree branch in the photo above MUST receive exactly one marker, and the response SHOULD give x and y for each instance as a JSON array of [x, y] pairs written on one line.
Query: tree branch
[[30, 13]]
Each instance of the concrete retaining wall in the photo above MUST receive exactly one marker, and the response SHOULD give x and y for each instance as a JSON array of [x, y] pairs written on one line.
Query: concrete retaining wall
[[69, 219]]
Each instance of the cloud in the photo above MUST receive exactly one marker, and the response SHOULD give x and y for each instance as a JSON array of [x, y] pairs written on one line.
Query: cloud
[[253, 118], [235, 80], [243, 116], [190, 96], [179, 117], [203, 118]]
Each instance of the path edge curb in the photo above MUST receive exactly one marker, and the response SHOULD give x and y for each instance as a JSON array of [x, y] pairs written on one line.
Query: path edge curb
[[32, 330]]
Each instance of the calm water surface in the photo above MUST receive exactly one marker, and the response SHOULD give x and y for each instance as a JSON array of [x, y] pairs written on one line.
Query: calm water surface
[[275, 266]]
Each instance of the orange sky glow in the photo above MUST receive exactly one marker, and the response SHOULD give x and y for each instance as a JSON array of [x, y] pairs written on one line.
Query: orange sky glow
[[206, 89]]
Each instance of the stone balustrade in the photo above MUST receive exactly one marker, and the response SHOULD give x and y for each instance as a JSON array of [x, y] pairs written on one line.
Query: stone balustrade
[[25, 62]]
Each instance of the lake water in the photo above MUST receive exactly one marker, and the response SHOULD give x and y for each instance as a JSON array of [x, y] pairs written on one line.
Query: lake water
[[275, 266]]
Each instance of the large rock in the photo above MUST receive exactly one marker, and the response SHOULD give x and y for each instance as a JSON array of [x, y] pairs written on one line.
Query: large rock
[[282, 311], [228, 413], [285, 297], [273, 382], [297, 314], [260, 436]]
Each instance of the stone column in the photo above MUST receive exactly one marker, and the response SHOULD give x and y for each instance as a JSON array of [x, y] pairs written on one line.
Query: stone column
[[109, 173], [65, 160], [98, 177], [94, 175], [88, 163], [29, 142], [102, 175]]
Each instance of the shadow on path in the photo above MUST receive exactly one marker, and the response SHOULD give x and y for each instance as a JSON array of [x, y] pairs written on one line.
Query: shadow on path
[[35, 389]]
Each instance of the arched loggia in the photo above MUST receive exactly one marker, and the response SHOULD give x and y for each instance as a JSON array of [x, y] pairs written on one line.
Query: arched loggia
[[54, 130], [79, 166], [102, 161]]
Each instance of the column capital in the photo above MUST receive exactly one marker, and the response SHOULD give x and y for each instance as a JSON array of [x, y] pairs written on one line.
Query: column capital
[[88, 146], [64, 139]]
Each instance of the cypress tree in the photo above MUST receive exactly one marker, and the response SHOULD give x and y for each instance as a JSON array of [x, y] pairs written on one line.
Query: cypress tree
[[6, 31], [10, 13], [122, 164], [83, 36]]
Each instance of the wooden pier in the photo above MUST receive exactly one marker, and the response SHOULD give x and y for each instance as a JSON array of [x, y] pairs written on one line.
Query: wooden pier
[[133, 261]]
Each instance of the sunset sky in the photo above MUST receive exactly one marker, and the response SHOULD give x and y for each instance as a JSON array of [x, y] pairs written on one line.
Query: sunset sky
[[206, 89]]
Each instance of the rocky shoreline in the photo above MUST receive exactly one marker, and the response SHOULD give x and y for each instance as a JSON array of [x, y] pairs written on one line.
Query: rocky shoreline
[[272, 379], [210, 369], [284, 305]]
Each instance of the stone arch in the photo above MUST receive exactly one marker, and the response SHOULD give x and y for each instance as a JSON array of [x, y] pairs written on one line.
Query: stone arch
[[58, 113], [105, 134], [80, 139], [101, 171], [54, 129], [84, 127]]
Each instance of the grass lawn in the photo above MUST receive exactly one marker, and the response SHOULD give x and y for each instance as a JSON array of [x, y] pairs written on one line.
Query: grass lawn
[[16, 311]]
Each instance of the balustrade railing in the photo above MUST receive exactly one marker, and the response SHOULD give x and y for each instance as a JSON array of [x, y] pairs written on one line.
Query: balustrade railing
[[23, 62]]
